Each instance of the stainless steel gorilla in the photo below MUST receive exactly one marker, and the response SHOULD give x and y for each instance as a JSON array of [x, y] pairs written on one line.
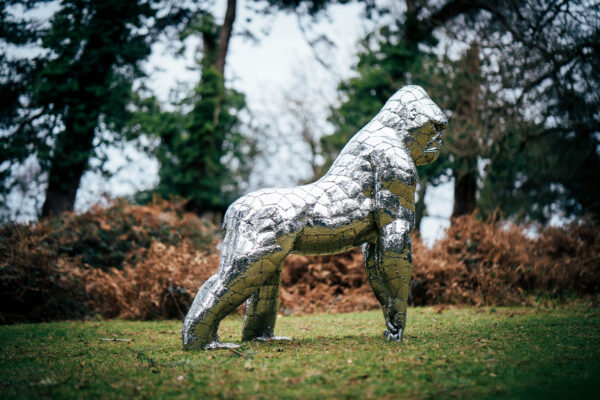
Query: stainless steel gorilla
[[366, 198]]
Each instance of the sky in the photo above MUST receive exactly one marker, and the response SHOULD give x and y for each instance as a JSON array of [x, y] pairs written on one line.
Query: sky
[[278, 66]]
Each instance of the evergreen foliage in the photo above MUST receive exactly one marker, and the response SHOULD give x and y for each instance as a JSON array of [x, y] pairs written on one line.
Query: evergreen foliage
[[55, 103], [312, 7], [203, 155]]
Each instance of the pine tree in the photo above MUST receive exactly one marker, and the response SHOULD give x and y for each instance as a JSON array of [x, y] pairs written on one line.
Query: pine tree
[[201, 140], [55, 104]]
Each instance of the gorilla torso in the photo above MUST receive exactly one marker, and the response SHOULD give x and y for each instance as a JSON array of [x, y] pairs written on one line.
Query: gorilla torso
[[371, 183]]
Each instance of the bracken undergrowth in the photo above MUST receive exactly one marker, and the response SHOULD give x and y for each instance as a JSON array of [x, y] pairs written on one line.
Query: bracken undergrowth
[[147, 262]]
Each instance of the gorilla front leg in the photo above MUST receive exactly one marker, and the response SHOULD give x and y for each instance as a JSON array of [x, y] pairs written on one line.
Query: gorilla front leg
[[261, 311], [371, 257], [395, 269]]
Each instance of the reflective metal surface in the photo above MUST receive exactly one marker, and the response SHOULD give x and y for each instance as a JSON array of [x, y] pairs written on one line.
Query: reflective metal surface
[[366, 198]]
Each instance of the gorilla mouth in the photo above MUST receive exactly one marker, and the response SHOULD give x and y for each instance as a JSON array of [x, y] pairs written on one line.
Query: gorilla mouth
[[434, 145], [432, 150]]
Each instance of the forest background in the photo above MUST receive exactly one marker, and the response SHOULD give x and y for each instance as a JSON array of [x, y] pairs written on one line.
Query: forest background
[[517, 80]]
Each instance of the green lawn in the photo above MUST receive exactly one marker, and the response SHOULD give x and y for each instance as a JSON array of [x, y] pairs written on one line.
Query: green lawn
[[458, 353]]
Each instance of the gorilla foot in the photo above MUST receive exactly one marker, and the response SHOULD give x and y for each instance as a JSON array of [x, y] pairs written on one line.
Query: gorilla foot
[[220, 345], [272, 337], [393, 335], [193, 342]]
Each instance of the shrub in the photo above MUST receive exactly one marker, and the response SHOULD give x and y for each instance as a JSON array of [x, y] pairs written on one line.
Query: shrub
[[32, 285], [568, 259], [497, 264], [326, 284], [144, 262], [107, 237], [55, 269], [476, 263], [161, 285]]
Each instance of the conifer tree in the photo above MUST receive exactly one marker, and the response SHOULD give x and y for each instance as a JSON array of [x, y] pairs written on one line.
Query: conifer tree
[[55, 104], [202, 153]]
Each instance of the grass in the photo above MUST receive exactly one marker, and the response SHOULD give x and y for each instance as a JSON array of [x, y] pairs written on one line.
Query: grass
[[456, 353]]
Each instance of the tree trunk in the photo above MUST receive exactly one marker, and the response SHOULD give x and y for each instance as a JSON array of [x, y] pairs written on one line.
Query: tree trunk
[[465, 189], [420, 207], [71, 157], [62, 188], [74, 145], [225, 35], [223, 47], [468, 131]]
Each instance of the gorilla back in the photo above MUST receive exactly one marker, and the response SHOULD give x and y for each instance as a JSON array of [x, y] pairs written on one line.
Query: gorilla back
[[366, 198]]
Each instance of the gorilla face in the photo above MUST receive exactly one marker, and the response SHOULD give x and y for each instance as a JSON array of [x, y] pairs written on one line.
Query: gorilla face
[[410, 110], [426, 143]]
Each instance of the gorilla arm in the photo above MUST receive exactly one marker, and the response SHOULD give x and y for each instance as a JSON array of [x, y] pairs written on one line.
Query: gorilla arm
[[388, 263], [389, 259], [391, 275]]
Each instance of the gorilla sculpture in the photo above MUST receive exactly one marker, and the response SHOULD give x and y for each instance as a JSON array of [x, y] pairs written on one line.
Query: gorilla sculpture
[[366, 198]]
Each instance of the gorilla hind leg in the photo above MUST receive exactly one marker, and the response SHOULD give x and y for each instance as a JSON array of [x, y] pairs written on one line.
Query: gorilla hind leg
[[261, 310], [238, 278], [214, 301]]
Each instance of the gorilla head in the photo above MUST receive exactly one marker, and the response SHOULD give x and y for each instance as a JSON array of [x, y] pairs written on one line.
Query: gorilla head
[[411, 112]]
